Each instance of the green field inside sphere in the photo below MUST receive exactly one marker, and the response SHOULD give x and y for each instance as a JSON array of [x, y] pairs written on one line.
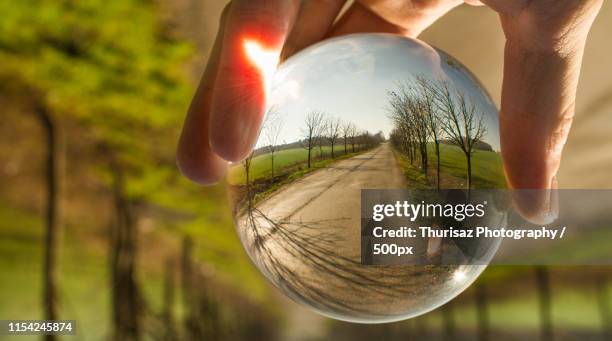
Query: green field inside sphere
[[365, 111], [488, 172]]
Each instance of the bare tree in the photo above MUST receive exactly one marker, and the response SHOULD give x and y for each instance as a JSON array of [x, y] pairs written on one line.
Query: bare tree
[[346, 132], [407, 110], [320, 137], [314, 124], [427, 94], [410, 142], [401, 138], [462, 123], [334, 128], [272, 128], [246, 163], [352, 135], [397, 140], [360, 140], [367, 141], [420, 129]]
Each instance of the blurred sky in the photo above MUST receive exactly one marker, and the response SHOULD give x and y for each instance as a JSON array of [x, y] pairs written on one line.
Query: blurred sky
[[350, 78]]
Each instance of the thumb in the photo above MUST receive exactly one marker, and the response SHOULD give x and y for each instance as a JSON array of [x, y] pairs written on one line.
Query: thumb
[[538, 103], [543, 55]]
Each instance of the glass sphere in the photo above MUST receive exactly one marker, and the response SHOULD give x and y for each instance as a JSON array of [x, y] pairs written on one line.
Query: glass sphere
[[347, 114]]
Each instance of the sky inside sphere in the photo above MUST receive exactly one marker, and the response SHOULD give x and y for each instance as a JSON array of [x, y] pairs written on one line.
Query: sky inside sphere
[[350, 78]]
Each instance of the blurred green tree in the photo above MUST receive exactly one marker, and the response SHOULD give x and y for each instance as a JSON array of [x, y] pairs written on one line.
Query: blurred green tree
[[115, 70]]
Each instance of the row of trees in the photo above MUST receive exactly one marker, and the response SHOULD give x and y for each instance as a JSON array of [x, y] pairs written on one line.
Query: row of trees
[[321, 129], [432, 112]]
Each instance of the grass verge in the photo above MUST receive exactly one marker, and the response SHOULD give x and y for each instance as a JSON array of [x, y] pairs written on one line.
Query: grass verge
[[263, 187], [487, 169]]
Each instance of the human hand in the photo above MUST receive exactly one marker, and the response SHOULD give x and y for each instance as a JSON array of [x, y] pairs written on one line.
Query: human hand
[[544, 45]]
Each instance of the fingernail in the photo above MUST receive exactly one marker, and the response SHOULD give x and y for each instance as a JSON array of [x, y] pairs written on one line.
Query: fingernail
[[539, 206]]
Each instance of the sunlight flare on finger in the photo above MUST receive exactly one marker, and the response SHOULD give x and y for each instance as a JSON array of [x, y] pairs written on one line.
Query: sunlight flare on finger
[[264, 59]]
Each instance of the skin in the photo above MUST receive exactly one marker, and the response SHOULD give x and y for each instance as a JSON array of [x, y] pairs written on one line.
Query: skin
[[545, 42]]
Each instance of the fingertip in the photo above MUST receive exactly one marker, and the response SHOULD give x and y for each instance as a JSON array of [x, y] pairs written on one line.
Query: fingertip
[[531, 176], [204, 170], [538, 206], [251, 47], [229, 152], [534, 214], [238, 104], [234, 133]]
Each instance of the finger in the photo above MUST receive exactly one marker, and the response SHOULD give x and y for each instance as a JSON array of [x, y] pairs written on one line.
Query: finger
[[240, 89], [314, 20], [407, 18], [537, 109], [544, 49], [194, 157]]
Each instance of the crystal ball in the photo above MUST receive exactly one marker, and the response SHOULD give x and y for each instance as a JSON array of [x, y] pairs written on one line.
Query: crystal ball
[[363, 111]]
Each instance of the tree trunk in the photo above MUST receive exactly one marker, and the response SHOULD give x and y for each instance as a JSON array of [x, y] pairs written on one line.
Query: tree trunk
[[448, 321], [438, 163], [168, 302], [469, 170], [193, 326], [51, 219], [482, 312], [410, 153], [332, 150], [247, 170], [345, 150], [202, 319], [423, 149], [272, 158], [544, 297], [123, 246], [309, 155], [209, 310]]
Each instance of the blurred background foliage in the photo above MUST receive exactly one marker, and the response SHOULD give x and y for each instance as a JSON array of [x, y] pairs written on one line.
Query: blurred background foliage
[[112, 80], [92, 97]]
